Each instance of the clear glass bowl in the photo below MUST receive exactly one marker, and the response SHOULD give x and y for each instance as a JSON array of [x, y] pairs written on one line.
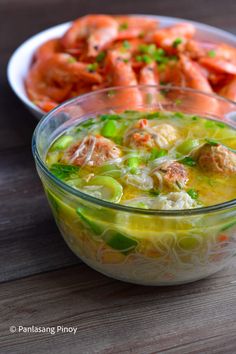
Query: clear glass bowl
[[153, 247]]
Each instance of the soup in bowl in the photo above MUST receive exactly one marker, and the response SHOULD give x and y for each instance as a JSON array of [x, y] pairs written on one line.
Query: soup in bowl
[[142, 181]]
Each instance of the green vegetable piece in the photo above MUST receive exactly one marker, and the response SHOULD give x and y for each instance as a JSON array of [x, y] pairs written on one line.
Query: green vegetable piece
[[97, 229], [62, 171], [109, 130], [104, 117], [92, 67], [193, 193], [100, 57], [123, 26], [62, 143], [126, 44], [212, 142], [119, 241], [133, 163], [228, 226], [177, 42], [211, 53], [111, 190], [72, 60], [213, 124], [188, 243], [187, 146], [156, 153], [110, 170], [189, 161]]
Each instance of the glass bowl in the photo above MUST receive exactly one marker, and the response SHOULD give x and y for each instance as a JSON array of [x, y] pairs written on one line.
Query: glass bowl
[[148, 247]]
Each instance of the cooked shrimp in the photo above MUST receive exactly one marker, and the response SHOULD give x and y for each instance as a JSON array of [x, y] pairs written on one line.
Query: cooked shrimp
[[229, 90], [92, 151], [218, 64], [216, 158], [52, 46], [97, 30], [149, 75], [174, 175], [134, 26], [165, 37], [52, 79], [192, 75], [121, 73]]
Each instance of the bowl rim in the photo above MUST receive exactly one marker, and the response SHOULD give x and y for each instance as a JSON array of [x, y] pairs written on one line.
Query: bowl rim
[[22, 95], [111, 205]]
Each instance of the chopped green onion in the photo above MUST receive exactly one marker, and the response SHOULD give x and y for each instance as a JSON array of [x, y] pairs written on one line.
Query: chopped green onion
[[100, 57], [109, 130], [72, 60], [211, 54], [193, 193], [92, 67], [126, 44], [123, 26], [177, 42]]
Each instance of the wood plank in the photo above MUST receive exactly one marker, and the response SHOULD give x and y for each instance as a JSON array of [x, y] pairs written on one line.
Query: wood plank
[[116, 317], [30, 240]]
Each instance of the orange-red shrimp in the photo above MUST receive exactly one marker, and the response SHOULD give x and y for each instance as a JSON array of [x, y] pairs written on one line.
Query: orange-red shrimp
[[134, 26], [218, 64], [51, 79], [149, 75], [52, 46], [166, 37], [97, 30], [121, 73], [229, 90]]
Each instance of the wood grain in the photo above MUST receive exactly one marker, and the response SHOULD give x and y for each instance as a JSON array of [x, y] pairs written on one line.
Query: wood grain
[[30, 240], [115, 317]]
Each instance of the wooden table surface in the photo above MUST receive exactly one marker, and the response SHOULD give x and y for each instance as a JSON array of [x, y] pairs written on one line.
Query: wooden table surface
[[42, 282]]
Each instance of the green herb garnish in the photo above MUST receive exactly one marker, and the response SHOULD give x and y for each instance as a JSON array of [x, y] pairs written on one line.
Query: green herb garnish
[[100, 57], [126, 44], [92, 67], [177, 42], [193, 193], [211, 54], [62, 171], [188, 160], [123, 26], [72, 60]]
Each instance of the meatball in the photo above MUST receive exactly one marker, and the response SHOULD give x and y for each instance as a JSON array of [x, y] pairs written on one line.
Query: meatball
[[172, 174], [143, 135], [92, 151], [166, 135], [216, 158]]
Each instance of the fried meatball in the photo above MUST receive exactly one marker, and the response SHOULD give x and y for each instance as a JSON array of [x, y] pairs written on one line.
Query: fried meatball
[[216, 158]]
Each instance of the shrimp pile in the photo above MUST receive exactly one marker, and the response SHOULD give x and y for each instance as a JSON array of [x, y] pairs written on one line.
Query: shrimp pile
[[100, 51]]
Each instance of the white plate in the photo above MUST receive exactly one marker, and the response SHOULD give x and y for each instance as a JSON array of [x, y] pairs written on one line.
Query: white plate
[[21, 59]]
